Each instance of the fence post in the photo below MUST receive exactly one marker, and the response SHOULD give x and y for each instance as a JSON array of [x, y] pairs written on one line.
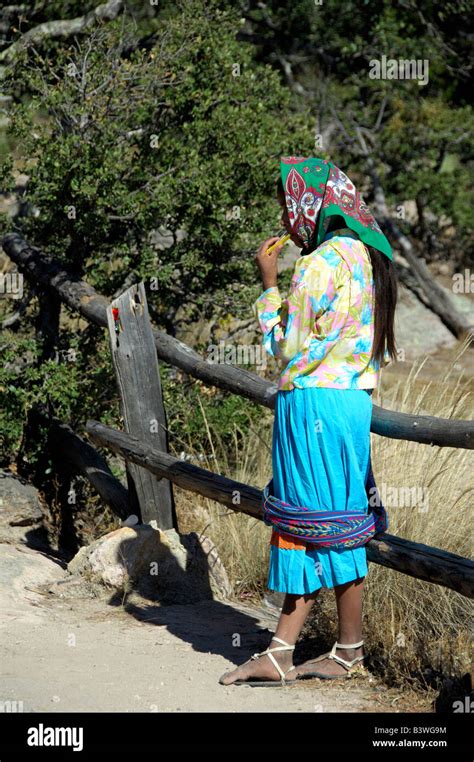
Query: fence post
[[138, 379]]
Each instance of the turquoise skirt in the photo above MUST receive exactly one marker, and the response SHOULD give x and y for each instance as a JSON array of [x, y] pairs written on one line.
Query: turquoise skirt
[[320, 459]]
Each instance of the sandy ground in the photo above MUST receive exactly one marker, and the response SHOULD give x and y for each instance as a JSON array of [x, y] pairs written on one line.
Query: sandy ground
[[63, 652]]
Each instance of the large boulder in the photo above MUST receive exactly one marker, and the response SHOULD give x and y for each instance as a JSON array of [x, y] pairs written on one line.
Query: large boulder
[[161, 565]]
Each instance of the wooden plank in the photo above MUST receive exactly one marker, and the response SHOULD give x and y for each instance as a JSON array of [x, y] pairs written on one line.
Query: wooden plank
[[138, 379], [78, 295], [415, 559]]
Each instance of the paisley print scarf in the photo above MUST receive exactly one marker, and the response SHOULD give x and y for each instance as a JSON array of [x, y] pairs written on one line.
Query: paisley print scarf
[[315, 190]]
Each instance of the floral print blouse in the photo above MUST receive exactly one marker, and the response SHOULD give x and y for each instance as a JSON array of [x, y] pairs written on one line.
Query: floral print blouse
[[323, 332]]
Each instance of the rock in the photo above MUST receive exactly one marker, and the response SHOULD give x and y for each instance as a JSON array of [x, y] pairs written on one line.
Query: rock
[[21, 515], [116, 556], [205, 559], [445, 268], [24, 573], [274, 600], [73, 586], [417, 329], [159, 564], [191, 329]]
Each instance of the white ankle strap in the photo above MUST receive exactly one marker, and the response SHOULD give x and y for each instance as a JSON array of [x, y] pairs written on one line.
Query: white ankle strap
[[279, 640], [351, 645]]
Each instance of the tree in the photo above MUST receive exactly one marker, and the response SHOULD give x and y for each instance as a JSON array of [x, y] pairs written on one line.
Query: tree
[[131, 148]]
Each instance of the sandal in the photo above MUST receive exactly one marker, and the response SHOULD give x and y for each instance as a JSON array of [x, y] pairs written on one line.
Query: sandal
[[263, 681], [332, 655]]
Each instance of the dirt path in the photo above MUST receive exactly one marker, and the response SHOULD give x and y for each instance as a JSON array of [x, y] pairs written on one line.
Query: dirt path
[[63, 652]]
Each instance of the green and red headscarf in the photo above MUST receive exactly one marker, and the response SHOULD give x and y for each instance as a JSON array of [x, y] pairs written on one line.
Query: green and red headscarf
[[315, 190]]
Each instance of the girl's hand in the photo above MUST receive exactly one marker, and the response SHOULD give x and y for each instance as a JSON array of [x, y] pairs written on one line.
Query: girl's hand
[[267, 263]]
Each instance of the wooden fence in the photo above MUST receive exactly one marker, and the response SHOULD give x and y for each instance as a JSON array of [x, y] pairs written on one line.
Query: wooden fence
[[151, 470]]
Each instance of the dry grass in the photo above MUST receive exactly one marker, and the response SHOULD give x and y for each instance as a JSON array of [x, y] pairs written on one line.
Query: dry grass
[[242, 541], [418, 634], [417, 630]]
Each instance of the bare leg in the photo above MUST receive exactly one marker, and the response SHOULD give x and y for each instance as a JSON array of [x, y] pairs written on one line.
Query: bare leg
[[349, 608], [292, 618]]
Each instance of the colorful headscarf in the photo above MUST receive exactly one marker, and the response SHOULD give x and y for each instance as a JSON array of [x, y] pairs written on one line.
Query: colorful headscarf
[[315, 190]]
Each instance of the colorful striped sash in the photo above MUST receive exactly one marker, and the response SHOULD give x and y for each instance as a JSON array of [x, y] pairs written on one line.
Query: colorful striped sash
[[325, 529]]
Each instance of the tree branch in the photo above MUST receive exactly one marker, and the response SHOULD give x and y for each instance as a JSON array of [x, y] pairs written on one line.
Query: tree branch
[[62, 28], [439, 301]]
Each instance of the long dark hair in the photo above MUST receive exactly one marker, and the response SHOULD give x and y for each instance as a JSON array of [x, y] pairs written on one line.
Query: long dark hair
[[384, 300], [385, 291]]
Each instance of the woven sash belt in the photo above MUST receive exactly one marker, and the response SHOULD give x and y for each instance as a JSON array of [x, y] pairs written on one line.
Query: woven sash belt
[[325, 529]]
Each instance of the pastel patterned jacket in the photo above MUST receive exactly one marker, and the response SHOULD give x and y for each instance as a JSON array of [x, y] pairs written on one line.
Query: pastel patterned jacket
[[323, 332]]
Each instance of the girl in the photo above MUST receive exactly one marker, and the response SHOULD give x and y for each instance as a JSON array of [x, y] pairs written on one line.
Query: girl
[[333, 333]]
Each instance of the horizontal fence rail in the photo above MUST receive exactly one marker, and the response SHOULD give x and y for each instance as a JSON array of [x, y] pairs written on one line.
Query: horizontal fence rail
[[415, 559], [82, 298]]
